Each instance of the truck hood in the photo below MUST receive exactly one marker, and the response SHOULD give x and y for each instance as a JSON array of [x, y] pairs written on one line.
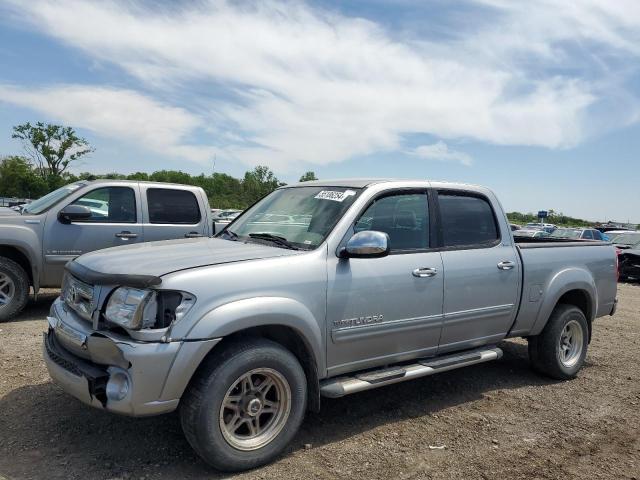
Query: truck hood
[[8, 212], [161, 258]]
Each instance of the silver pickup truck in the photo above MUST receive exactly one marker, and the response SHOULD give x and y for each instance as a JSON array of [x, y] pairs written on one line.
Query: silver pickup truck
[[81, 217], [319, 289]]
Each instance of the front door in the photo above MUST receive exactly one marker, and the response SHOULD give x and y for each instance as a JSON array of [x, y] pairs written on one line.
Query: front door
[[115, 220], [384, 310], [482, 280]]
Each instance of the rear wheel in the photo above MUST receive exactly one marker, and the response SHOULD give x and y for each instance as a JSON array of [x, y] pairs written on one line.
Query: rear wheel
[[560, 350], [14, 289], [245, 405]]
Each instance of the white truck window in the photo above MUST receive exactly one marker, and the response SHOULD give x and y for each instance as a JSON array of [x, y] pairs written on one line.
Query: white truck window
[[110, 205]]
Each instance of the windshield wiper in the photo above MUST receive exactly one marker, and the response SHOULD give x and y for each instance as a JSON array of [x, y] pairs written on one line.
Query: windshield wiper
[[281, 241]]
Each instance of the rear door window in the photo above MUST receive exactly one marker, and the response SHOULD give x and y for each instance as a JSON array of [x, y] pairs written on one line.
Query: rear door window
[[587, 234], [172, 206], [467, 220]]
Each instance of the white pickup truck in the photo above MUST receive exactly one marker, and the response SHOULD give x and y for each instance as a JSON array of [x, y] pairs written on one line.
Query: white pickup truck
[[81, 217], [320, 289]]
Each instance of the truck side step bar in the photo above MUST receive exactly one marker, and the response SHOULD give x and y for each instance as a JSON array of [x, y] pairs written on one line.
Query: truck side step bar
[[341, 386]]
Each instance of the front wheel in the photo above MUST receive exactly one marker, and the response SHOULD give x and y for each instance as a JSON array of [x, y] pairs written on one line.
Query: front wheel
[[560, 350], [14, 289], [245, 405]]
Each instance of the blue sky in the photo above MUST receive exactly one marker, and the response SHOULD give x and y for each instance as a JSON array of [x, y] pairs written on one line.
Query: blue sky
[[538, 100]]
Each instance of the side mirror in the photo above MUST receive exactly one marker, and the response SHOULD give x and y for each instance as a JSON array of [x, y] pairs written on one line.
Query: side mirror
[[367, 244], [72, 213]]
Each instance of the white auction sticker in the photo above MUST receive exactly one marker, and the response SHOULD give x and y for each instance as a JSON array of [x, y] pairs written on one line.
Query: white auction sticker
[[333, 195]]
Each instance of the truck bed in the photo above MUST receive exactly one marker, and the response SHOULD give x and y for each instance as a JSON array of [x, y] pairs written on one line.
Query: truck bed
[[545, 261]]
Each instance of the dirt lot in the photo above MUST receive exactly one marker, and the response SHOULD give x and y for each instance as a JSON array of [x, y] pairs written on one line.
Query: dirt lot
[[497, 420]]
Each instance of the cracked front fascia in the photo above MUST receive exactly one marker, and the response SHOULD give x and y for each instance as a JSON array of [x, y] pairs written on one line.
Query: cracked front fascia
[[103, 350]]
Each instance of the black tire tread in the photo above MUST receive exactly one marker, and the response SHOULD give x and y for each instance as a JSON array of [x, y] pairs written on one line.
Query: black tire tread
[[207, 374], [542, 348], [21, 282]]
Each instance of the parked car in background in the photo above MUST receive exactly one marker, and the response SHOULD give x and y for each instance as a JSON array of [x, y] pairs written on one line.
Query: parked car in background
[[36, 243], [525, 232], [629, 263], [578, 234], [547, 227], [226, 216], [388, 281], [625, 240], [514, 227]]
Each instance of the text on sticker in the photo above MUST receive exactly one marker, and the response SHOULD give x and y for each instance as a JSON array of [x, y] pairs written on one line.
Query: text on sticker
[[333, 195]]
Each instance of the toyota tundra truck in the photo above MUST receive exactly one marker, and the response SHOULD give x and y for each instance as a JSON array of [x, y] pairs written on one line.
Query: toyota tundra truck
[[321, 289], [38, 240]]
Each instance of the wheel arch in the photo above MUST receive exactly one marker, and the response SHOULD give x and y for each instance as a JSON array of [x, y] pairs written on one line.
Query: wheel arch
[[281, 320], [572, 287], [21, 258]]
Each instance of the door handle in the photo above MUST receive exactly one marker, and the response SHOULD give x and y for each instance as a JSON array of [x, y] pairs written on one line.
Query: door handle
[[506, 265], [424, 272], [192, 235], [126, 235]]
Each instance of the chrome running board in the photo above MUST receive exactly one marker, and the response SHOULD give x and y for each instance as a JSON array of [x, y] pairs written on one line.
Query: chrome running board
[[345, 385]]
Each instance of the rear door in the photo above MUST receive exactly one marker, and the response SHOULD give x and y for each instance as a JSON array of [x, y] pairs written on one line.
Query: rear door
[[116, 219], [383, 310], [482, 272], [173, 212]]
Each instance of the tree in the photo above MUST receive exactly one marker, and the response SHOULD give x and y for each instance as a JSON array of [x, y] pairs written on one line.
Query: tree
[[259, 182], [17, 179], [52, 148], [308, 176]]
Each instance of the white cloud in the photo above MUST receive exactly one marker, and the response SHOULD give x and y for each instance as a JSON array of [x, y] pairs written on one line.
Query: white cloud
[[120, 114], [440, 151], [295, 83]]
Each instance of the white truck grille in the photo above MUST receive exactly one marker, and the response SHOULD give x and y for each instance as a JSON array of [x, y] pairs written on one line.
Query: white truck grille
[[78, 295]]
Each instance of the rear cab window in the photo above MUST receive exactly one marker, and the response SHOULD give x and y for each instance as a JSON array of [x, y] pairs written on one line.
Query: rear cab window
[[172, 206], [467, 220]]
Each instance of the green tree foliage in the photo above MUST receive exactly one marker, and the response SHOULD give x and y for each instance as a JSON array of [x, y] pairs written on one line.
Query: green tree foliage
[[308, 176], [17, 179], [259, 182], [52, 148]]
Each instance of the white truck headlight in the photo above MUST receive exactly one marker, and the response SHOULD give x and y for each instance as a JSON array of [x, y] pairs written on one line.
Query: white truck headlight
[[127, 307], [136, 309]]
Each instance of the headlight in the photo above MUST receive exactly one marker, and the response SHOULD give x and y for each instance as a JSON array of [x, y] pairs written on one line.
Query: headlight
[[135, 309]]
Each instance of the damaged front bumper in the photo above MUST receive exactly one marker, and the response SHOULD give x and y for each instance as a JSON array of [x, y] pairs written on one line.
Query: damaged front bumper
[[111, 371]]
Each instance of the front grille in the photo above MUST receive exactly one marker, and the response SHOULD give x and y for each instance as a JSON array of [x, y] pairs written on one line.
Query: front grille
[[78, 295], [58, 359]]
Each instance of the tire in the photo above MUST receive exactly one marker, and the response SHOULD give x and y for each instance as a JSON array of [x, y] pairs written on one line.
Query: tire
[[209, 427], [561, 348], [14, 289]]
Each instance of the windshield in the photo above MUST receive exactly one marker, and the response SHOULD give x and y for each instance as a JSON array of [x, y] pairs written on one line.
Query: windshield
[[50, 199], [301, 216], [626, 238], [565, 233]]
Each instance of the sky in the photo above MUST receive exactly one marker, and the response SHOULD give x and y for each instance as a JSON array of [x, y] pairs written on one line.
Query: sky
[[538, 100]]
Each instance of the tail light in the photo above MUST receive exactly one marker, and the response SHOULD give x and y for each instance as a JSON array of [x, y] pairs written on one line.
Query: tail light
[[618, 252]]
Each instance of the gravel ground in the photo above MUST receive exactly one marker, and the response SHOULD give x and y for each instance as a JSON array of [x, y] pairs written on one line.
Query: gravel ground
[[497, 419]]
